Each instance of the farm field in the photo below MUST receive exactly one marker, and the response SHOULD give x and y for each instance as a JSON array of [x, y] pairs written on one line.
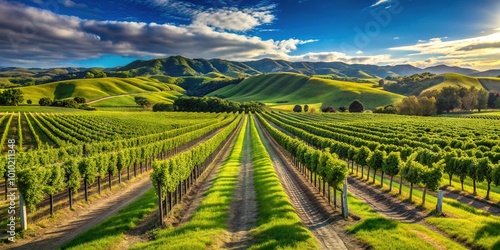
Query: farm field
[[284, 167]]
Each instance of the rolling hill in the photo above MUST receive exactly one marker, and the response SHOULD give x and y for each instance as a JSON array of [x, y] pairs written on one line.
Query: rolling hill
[[98, 88], [451, 79], [275, 89]]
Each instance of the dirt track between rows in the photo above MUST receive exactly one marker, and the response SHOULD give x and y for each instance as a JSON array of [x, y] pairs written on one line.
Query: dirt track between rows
[[326, 225], [243, 210]]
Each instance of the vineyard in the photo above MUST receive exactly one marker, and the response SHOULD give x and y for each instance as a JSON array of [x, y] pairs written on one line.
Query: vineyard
[[257, 181]]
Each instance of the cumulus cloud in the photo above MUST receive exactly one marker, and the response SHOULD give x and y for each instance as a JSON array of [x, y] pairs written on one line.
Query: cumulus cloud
[[478, 51], [71, 4], [234, 19], [35, 37], [334, 56]]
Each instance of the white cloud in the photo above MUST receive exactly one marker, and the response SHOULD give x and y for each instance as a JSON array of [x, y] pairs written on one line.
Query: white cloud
[[396, 38], [478, 51], [234, 19], [359, 52], [379, 2], [71, 4], [334, 56]]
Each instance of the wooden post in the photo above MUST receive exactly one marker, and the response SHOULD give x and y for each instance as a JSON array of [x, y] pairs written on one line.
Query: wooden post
[[345, 209], [160, 207], [22, 212], [439, 205]]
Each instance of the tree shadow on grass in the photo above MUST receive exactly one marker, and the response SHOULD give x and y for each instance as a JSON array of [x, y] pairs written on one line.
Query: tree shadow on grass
[[374, 224], [491, 229], [64, 90]]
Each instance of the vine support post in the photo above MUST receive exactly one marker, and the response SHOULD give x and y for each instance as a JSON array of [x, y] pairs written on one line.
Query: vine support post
[[22, 212], [160, 203], [439, 205], [345, 209]]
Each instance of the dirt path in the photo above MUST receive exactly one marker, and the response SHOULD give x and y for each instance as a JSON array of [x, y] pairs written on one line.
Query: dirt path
[[387, 205], [466, 199], [313, 210], [84, 218], [189, 203], [243, 210]]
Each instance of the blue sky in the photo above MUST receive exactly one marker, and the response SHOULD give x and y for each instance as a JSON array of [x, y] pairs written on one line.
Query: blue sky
[[53, 33]]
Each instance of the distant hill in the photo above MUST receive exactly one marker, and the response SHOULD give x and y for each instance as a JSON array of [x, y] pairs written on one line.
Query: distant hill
[[443, 69], [452, 79], [283, 90], [100, 88], [493, 72]]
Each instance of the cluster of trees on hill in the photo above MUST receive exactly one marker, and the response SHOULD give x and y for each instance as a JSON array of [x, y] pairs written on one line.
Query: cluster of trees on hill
[[11, 97], [215, 104], [208, 87], [355, 107], [448, 99], [411, 85]]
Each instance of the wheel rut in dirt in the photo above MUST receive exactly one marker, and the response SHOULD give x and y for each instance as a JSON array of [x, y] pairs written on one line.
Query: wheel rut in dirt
[[312, 209], [243, 209]]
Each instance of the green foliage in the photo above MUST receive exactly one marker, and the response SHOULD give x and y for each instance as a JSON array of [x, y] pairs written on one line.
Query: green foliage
[[72, 174], [88, 169], [141, 101], [215, 104], [376, 159], [11, 97], [297, 108], [31, 184], [356, 106], [163, 107], [448, 99], [45, 101], [392, 163], [55, 180], [414, 84], [431, 177], [362, 155]]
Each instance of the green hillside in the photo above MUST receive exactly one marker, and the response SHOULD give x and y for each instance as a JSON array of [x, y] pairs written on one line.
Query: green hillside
[[490, 83], [274, 89], [128, 100], [97, 88], [452, 79]]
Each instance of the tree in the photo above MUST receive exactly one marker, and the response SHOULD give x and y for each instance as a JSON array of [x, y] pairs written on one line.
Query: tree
[[485, 172], [463, 169], [80, 99], [89, 75], [72, 179], [29, 102], [328, 109], [392, 165], [376, 161], [297, 108], [381, 83], [408, 106], [356, 106], [361, 157], [306, 108], [88, 171], [55, 183], [431, 178], [163, 107], [11, 97], [141, 101], [413, 173], [45, 101], [472, 172], [427, 106], [450, 166], [448, 99], [482, 100], [492, 97], [343, 108]]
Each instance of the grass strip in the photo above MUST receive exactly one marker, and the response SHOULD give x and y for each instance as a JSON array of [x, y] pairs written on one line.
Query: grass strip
[[278, 225], [209, 222], [109, 233], [467, 224], [382, 233]]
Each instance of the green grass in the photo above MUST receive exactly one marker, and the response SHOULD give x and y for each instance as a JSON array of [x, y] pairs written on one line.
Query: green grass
[[382, 233], [209, 222], [40, 109], [473, 226], [453, 79], [481, 187], [490, 83], [301, 89], [109, 233], [92, 89], [128, 100], [278, 226]]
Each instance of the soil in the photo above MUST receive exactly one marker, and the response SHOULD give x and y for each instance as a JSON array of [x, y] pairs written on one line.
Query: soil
[[243, 209], [314, 211], [83, 219]]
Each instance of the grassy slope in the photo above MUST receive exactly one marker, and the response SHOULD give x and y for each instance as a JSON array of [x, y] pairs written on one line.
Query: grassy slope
[[457, 80], [301, 89], [490, 83], [210, 219], [128, 100], [92, 89]]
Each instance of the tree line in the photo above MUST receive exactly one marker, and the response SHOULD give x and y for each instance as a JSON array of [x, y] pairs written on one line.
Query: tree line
[[215, 104]]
